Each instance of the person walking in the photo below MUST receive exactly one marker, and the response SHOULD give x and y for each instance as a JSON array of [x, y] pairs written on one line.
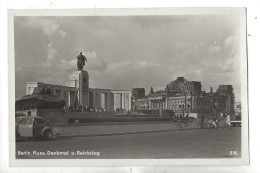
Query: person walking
[[228, 121], [221, 116], [202, 121]]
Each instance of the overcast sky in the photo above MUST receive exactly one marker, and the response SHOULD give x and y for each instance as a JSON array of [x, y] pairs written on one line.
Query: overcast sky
[[129, 52]]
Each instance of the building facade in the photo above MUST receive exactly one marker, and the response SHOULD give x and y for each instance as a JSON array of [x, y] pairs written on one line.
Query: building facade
[[180, 96], [186, 97]]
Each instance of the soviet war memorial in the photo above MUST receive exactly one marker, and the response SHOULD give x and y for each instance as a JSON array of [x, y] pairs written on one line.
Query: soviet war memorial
[[180, 98], [128, 87], [75, 96]]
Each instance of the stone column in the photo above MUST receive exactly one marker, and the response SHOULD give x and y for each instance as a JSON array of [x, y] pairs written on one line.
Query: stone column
[[68, 98], [163, 105], [94, 99], [167, 102], [115, 101], [130, 101], [127, 101], [193, 103], [81, 80], [123, 100], [107, 102]]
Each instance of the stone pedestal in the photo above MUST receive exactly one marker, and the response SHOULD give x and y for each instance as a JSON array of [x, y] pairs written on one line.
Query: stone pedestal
[[80, 80]]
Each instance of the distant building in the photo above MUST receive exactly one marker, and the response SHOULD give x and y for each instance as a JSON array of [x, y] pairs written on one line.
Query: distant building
[[220, 101], [181, 96], [238, 108], [185, 97]]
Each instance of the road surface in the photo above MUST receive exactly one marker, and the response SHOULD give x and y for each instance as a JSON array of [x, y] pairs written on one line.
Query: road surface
[[191, 143]]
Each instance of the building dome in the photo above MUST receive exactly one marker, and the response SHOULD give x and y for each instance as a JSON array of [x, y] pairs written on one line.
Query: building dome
[[179, 84]]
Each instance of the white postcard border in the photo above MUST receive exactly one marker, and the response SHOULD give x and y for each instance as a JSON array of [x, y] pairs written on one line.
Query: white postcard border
[[244, 160]]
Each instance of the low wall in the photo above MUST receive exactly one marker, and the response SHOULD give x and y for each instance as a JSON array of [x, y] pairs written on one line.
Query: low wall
[[97, 115], [59, 117], [118, 119], [86, 117]]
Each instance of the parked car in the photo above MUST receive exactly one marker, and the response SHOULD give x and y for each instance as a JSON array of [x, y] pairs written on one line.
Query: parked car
[[33, 127]]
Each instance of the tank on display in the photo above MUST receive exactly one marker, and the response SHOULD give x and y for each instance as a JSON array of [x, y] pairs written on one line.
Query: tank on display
[[41, 100]]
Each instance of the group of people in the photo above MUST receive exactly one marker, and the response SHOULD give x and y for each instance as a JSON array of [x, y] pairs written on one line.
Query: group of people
[[215, 122], [93, 109], [122, 111], [83, 109]]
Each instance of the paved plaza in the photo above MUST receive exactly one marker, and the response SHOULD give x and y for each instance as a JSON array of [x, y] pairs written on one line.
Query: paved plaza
[[188, 143]]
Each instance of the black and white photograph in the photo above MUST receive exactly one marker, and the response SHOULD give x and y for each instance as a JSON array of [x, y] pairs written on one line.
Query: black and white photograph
[[168, 86]]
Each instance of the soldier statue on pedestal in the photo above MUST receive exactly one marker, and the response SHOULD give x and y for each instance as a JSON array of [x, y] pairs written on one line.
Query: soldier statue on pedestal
[[81, 61]]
